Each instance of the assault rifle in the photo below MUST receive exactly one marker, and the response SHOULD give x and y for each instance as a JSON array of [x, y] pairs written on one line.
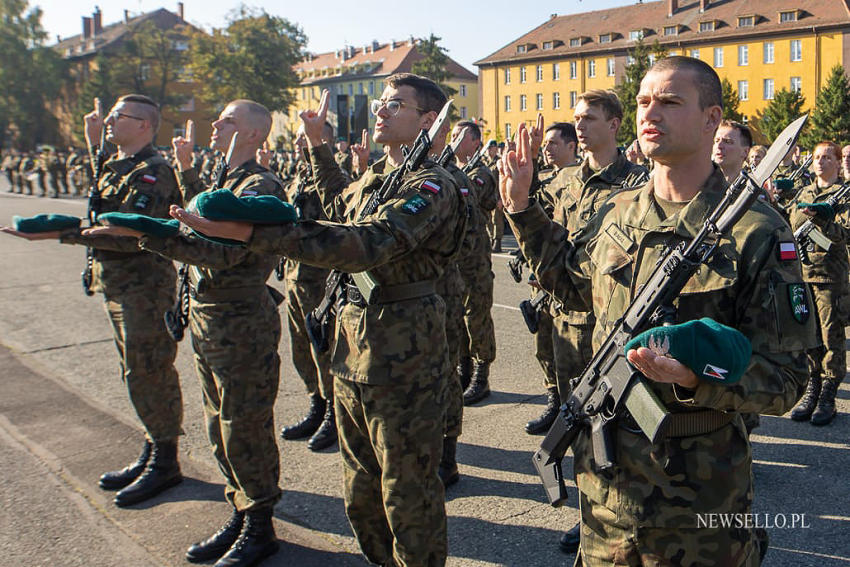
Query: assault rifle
[[802, 169], [318, 320], [530, 309], [177, 317], [609, 385], [515, 265], [98, 158], [475, 159], [808, 233]]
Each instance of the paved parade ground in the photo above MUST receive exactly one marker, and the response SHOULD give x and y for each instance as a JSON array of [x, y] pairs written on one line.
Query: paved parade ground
[[65, 419]]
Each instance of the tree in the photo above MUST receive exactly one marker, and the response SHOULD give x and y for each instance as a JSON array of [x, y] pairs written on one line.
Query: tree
[[100, 83], [730, 102], [434, 65], [627, 90], [31, 75], [251, 58], [785, 107], [830, 119]]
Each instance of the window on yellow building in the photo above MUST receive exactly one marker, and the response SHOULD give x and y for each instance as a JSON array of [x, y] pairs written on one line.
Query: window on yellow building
[[507, 76], [694, 53], [767, 89], [522, 74], [573, 69], [523, 102], [539, 73], [743, 55], [556, 101], [743, 90], [768, 52], [591, 68], [610, 66], [507, 130], [796, 84], [573, 97], [539, 101], [463, 90], [556, 71], [463, 112], [507, 103], [796, 50], [718, 57]]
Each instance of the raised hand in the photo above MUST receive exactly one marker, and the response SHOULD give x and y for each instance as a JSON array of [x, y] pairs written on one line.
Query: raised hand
[[537, 132], [360, 154], [264, 155], [183, 147], [515, 172], [314, 120], [93, 124]]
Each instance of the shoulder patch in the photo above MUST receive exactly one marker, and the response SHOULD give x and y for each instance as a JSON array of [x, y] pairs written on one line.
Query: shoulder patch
[[798, 299], [430, 186], [479, 181], [141, 201], [787, 251], [464, 191], [248, 193], [414, 205], [149, 179]]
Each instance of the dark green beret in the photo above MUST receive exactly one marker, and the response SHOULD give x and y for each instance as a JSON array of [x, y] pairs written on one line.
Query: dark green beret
[[823, 210], [715, 352], [783, 184], [259, 209], [45, 223], [162, 228]]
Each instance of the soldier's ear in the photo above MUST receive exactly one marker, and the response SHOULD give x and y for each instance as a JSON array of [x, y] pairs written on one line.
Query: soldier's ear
[[427, 120]]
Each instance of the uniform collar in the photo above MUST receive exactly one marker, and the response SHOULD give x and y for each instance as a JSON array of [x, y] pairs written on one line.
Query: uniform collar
[[123, 166]]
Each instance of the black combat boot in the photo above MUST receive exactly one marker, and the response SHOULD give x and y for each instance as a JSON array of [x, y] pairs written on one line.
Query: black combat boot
[[570, 540], [256, 541], [116, 480], [803, 410], [547, 418], [464, 370], [161, 472], [448, 462], [310, 423], [326, 435], [825, 411], [217, 544], [479, 388]]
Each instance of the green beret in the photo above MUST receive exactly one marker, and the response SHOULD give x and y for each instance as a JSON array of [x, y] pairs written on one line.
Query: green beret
[[162, 228], [783, 184], [715, 352], [260, 209], [823, 210], [45, 223]]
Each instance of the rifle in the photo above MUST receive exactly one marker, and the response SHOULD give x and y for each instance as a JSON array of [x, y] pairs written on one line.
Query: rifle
[[318, 320], [475, 160], [609, 385], [530, 310], [98, 158], [808, 233], [802, 168], [177, 317], [515, 265]]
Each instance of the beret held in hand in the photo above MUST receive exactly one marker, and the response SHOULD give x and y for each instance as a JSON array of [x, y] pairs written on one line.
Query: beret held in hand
[[714, 352], [45, 223], [260, 209], [162, 228], [822, 210]]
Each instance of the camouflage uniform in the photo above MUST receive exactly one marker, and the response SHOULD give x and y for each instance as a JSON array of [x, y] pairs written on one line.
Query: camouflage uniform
[[235, 329], [390, 360], [9, 165], [644, 511], [25, 169], [574, 196], [343, 160], [138, 287]]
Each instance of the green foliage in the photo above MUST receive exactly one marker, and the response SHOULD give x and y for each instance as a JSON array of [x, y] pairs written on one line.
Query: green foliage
[[434, 63], [830, 118], [31, 75], [252, 58], [628, 89], [730, 102], [785, 107], [100, 84]]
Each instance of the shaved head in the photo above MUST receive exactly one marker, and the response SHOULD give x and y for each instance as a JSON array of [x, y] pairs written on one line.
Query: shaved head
[[254, 116]]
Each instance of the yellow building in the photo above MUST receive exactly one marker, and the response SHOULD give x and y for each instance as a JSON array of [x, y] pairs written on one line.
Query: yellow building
[[354, 76], [760, 46]]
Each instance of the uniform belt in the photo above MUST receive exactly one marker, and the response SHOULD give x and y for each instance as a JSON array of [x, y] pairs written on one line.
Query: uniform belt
[[108, 255], [685, 424], [225, 294], [392, 293]]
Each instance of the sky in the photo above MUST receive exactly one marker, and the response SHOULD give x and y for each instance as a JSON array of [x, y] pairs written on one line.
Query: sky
[[469, 30]]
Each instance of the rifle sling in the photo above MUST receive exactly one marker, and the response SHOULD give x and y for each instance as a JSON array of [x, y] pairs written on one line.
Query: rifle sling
[[685, 424]]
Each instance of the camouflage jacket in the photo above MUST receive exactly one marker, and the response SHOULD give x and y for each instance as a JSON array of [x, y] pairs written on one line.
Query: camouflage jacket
[[301, 193], [410, 238], [143, 183], [745, 285], [486, 188], [214, 266], [824, 266], [343, 160], [451, 283]]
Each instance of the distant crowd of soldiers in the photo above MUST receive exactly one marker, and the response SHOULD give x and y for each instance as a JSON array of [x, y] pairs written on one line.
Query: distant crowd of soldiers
[[47, 171]]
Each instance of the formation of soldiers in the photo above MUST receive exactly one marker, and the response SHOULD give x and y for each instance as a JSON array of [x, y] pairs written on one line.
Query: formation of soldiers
[[412, 338]]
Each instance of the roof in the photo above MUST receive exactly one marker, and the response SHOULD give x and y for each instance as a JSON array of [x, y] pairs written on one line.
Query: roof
[[375, 60], [112, 33], [652, 18]]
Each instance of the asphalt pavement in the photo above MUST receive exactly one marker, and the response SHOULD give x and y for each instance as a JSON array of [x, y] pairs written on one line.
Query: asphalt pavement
[[64, 419]]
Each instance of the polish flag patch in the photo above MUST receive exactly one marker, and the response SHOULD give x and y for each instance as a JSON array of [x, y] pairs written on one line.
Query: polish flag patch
[[479, 181], [149, 179], [464, 191], [430, 186], [787, 251]]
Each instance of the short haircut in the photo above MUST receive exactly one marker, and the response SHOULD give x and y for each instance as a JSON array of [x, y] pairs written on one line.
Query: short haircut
[[743, 131], [429, 96], [836, 149], [472, 127], [148, 107], [707, 82], [608, 100], [258, 115], [566, 130]]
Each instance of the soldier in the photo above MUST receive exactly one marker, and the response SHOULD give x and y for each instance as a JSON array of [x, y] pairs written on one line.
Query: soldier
[[62, 170], [755, 156], [496, 218], [25, 172], [732, 143], [9, 161], [343, 155], [478, 345], [638, 512], [825, 270], [137, 288], [305, 288], [390, 361]]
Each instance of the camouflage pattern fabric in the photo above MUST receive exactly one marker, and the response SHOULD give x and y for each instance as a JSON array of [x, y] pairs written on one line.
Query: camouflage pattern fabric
[[138, 287], [830, 360], [573, 350], [343, 160], [656, 490], [235, 329], [390, 361], [544, 348]]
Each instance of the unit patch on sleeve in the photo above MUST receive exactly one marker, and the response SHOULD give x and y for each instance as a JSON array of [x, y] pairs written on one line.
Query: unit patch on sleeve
[[414, 205], [798, 299], [142, 201]]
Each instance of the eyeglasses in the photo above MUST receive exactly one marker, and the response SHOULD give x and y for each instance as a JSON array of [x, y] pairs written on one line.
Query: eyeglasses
[[392, 106], [115, 115]]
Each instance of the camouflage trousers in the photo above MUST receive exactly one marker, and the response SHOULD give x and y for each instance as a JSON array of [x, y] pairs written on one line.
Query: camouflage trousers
[[311, 365], [480, 335], [830, 360], [235, 345], [544, 349], [495, 223], [455, 335], [573, 345], [146, 352], [390, 440], [607, 540]]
